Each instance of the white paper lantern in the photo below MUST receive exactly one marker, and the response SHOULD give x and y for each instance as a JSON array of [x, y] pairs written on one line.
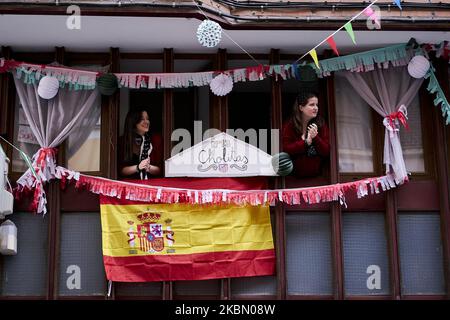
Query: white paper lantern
[[418, 67], [48, 87], [209, 33], [221, 85]]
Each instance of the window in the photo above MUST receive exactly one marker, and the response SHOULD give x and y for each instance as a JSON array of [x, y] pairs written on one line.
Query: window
[[25, 274], [354, 128], [150, 100], [139, 289], [308, 82], [421, 256], [197, 288], [81, 270], [249, 106], [308, 254], [366, 261], [191, 104], [83, 146], [24, 138], [411, 139], [254, 286]]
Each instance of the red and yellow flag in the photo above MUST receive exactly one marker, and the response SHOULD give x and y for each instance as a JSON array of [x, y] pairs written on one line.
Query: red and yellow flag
[[165, 242]]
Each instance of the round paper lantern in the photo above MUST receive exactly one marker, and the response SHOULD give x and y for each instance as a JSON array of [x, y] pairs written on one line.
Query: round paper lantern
[[368, 12], [209, 33], [282, 164], [418, 67], [107, 84], [48, 87], [221, 85]]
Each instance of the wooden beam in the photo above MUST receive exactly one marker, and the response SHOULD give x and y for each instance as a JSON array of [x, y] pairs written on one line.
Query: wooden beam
[[442, 167], [113, 119], [168, 66], [335, 208], [280, 234], [219, 105]]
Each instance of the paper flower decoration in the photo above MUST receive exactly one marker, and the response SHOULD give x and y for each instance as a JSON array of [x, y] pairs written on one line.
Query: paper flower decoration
[[209, 33], [418, 67], [107, 84], [221, 85], [48, 87]]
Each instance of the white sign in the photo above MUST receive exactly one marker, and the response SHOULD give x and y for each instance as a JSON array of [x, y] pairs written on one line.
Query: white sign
[[220, 156]]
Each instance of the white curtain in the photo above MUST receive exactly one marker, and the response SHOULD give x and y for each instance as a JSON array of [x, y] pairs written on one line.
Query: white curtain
[[388, 91], [354, 129], [52, 121]]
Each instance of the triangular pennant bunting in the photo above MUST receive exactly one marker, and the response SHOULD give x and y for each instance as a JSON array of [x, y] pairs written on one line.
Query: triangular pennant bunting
[[348, 27], [397, 2], [313, 54], [332, 44]]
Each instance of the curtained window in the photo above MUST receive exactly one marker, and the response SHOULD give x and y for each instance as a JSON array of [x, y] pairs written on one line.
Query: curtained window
[[354, 128], [411, 139], [24, 138]]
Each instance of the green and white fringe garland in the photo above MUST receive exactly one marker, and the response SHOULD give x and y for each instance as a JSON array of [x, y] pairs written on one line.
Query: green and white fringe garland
[[396, 55], [434, 88]]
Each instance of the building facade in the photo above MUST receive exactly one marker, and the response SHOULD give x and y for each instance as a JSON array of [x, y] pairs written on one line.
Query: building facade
[[393, 245]]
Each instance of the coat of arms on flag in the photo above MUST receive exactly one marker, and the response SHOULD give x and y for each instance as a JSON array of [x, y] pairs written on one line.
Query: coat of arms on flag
[[150, 233]]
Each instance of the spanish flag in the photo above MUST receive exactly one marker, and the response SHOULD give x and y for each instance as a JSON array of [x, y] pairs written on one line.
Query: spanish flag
[[165, 242]]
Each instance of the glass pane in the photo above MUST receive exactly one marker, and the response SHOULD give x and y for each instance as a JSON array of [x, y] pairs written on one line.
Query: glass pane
[[254, 286], [191, 104], [81, 265], [25, 274], [249, 107], [366, 258], [308, 254], [23, 138], [421, 256], [83, 145], [83, 148], [411, 139], [201, 287], [144, 289], [354, 128]]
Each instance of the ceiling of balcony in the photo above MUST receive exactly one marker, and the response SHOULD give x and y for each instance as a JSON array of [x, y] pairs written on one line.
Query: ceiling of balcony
[[151, 34]]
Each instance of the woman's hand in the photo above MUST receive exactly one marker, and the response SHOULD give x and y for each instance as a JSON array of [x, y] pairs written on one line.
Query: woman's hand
[[152, 169], [144, 164], [312, 131], [308, 139]]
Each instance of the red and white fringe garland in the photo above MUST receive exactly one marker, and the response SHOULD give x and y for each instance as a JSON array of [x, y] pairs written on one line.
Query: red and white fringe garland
[[46, 170], [159, 194]]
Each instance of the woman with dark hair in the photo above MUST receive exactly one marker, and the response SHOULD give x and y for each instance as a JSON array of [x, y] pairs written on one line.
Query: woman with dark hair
[[305, 136], [140, 153]]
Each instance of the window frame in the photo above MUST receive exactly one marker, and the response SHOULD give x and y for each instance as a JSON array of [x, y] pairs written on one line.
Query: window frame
[[72, 59]]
